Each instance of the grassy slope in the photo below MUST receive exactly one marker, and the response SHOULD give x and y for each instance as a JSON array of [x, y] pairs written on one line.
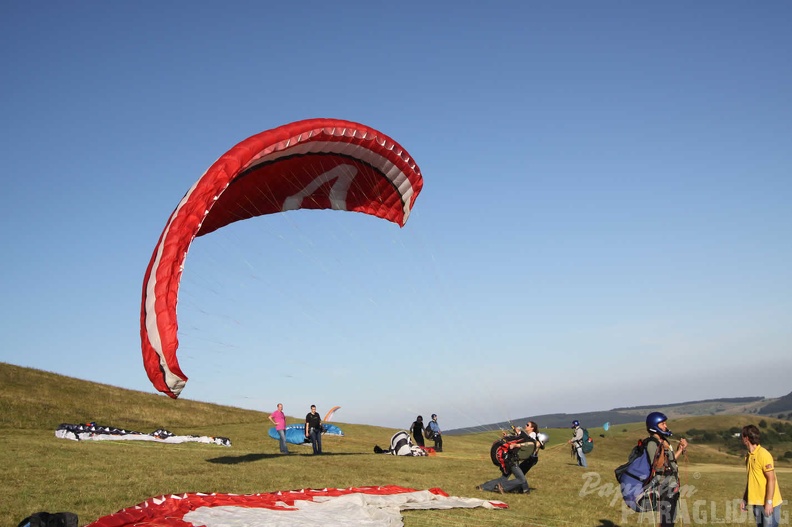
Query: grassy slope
[[93, 479]]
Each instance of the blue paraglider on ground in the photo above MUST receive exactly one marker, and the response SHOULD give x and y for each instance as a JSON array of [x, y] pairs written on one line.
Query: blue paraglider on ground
[[295, 433]]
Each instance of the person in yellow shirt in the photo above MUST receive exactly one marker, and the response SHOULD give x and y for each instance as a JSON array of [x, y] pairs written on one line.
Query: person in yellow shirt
[[761, 489]]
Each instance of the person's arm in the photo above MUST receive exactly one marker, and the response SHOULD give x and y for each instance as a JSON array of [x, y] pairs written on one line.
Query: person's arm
[[271, 419], [681, 449], [577, 437], [769, 492]]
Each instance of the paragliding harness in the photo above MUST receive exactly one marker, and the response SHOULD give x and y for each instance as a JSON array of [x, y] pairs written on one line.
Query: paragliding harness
[[46, 519], [502, 456], [636, 476], [587, 443], [428, 433]]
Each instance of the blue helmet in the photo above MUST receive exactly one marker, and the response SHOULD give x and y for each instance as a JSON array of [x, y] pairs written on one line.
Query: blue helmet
[[575, 423], [654, 419]]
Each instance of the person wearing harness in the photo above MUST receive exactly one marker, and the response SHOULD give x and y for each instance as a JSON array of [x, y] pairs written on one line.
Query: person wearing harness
[[577, 444], [532, 429], [438, 438], [665, 482], [313, 429], [512, 443]]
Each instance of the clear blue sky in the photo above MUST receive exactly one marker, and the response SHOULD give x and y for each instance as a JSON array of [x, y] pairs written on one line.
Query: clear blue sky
[[606, 218]]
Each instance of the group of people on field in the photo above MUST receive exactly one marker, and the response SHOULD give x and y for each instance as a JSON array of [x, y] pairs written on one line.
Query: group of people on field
[[313, 428], [430, 431], [762, 495]]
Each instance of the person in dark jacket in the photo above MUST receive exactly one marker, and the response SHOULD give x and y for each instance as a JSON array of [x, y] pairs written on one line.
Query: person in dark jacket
[[313, 429], [417, 430]]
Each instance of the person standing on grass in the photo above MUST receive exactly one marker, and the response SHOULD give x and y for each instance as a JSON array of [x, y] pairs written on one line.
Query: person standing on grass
[[665, 482], [313, 429], [417, 430], [279, 420], [436, 433], [577, 444], [761, 489]]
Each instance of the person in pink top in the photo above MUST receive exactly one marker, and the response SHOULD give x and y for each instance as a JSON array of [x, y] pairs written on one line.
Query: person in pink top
[[279, 420]]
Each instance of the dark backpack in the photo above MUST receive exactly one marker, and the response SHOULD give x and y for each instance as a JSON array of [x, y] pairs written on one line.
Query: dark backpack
[[46, 519], [587, 443], [635, 476], [428, 433]]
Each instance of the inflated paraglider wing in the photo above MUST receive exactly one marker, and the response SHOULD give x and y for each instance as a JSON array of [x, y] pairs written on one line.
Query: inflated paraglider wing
[[311, 164], [330, 413]]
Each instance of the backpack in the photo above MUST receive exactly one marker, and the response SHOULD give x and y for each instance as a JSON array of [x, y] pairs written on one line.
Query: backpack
[[587, 443], [428, 433], [635, 476], [46, 519]]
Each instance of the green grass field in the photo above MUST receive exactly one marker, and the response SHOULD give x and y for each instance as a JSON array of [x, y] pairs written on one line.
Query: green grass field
[[93, 479]]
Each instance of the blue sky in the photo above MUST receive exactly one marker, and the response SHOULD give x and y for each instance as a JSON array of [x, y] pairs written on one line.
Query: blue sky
[[605, 220]]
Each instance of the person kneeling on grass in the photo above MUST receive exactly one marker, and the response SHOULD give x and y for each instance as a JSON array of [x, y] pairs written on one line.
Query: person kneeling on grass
[[511, 462]]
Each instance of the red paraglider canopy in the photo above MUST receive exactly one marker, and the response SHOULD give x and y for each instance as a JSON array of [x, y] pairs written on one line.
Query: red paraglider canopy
[[310, 164]]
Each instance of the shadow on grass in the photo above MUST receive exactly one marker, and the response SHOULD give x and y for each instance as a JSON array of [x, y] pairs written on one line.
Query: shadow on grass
[[248, 458], [606, 523]]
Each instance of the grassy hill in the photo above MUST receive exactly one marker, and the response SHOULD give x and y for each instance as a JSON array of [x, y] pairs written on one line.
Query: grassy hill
[[93, 479]]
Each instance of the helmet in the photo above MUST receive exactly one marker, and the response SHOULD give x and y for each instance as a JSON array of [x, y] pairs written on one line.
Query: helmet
[[575, 423], [654, 419], [434, 416]]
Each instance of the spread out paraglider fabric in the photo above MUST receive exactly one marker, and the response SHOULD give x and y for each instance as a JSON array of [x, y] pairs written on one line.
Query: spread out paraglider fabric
[[370, 506], [310, 164], [94, 432], [295, 433]]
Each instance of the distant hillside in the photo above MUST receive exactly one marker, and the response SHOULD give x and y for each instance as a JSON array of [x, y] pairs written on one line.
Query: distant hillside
[[781, 408], [738, 400]]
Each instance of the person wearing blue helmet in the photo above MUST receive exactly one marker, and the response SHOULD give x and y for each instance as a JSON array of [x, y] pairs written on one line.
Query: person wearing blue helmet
[[665, 482], [577, 444]]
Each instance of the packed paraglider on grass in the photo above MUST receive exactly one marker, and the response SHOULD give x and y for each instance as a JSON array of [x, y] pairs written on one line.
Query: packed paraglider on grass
[[95, 432]]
